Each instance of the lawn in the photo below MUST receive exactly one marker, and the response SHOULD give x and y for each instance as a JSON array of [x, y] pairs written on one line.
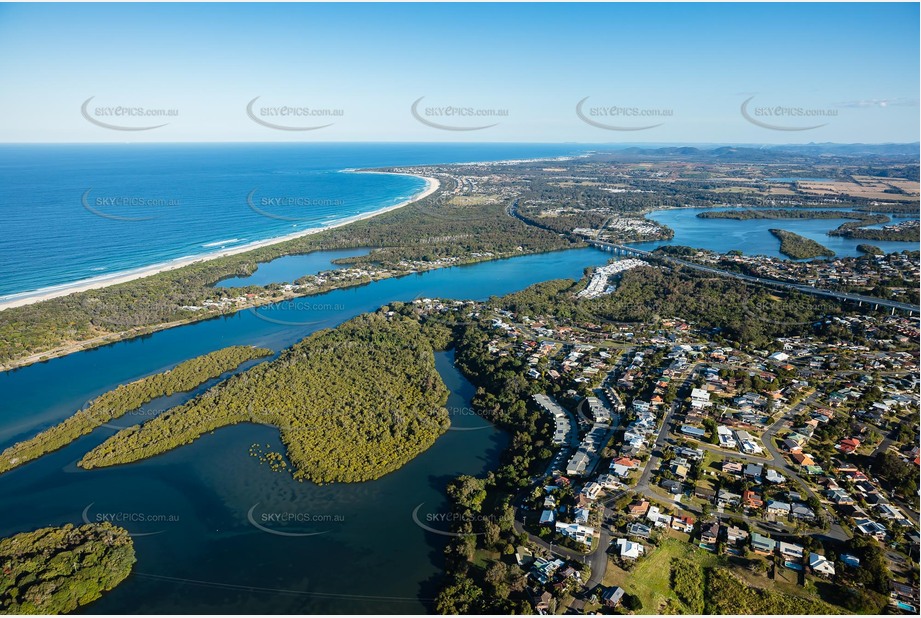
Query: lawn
[[483, 558], [651, 579]]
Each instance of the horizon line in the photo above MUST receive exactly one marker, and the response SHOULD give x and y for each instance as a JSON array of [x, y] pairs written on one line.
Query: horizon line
[[550, 143]]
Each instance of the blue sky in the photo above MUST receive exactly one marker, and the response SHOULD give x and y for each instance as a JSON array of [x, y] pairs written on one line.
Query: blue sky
[[852, 68]]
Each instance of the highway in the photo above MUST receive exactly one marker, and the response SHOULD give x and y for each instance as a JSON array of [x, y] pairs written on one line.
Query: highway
[[799, 287]]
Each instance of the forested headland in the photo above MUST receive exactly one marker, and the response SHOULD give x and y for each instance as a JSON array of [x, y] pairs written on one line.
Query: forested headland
[[183, 377]]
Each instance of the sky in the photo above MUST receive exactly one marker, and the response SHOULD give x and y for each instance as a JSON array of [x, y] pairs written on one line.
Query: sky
[[658, 73]]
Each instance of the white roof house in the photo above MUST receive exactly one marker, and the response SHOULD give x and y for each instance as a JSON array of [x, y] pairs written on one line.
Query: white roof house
[[790, 550], [629, 549], [821, 565], [658, 519], [700, 398], [725, 436], [583, 534]]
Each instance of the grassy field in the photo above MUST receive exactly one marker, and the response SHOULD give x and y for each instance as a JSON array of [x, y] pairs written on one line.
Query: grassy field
[[651, 579]]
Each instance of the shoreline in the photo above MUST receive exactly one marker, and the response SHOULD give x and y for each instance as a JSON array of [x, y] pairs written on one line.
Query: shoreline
[[20, 299]]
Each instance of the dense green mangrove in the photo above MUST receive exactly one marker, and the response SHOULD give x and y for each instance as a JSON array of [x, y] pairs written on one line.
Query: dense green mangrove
[[352, 403], [58, 570], [127, 397]]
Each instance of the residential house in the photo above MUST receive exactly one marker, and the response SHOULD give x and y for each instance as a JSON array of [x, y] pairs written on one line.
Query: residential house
[[821, 565], [751, 500], [754, 471], [763, 545], [627, 462], [800, 511], [839, 497], [725, 437], [700, 398], [523, 556], [658, 518], [848, 445], [672, 487], [542, 603], [547, 517], [775, 477], [694, 432], [903, 596], [704, 493], [887, 511], [710, 532], [640, 530], [850, 560], [732, 467], [544, 570], [735, 534], [802, 459], [629, 550], [683, 523], [726, 498], [776, 507], [638, 508], [871, 528], [612, 596], [790, 551], [691, 454], [576, 532], [592, 490]]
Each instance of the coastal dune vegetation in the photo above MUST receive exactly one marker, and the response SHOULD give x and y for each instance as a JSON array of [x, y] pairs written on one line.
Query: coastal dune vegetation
[[58, 570], [351, 403], [111, 405], [425, 230]]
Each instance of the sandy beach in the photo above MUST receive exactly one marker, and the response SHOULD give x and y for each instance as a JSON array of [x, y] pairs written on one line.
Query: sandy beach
[[27, 298]]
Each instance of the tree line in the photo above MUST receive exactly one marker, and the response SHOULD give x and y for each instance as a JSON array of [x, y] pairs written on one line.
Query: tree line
[[115, 403]]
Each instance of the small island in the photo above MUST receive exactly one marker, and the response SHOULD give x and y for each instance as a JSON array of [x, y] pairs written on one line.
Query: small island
[[870, 249], [58, 570], [352, 403], [799, 247], [111, 405]]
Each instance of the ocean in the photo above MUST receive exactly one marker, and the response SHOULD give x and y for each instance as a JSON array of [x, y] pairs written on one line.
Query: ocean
[[77, 212]]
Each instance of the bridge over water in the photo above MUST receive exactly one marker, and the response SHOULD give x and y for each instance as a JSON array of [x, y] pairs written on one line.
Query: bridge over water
[[619, 249]]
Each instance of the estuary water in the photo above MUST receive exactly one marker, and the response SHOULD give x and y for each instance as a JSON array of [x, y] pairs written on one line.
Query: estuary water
[[191, 511], [752, 236]]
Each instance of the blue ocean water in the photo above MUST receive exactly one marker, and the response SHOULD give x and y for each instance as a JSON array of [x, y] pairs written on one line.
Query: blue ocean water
[[75, 212]]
